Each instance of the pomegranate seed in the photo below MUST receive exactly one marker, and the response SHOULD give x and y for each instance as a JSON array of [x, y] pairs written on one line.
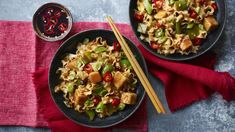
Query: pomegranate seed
[[116, 101]]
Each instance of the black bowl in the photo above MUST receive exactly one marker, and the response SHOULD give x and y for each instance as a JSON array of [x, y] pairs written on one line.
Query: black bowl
[[69, 46], [206, 44]]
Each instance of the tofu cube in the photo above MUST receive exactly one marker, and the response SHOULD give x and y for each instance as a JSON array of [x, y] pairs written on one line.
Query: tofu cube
[[119, 80], [72, 64], [79, 98], [210, 23], [95, 77], [161, 14], [128, 98], [186, 43]]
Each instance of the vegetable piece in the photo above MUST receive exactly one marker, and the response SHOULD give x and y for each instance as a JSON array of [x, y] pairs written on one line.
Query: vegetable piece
[[159, 32], [155, 45], [96, 101], [119, 80], [88, 68], [148, 6], [49, 29], [197, 10], [157, 3], [106, 68], [192, 13], [128, 98], [202, 2], [171, 2], [70, 87], [116, 46], [53, 20], [181, 5], [160, 14], [115, 102], [100, 49], [88, 102], [95, 77], [100, 107], [87, 54], [96, 65], [142, 28], [108, 77], [79, 99], [162, 39], [72, 75], [100, 91], [121, 106], [193, 32], [177, 27], [197, 41], [190, 25], [138, 17], [90, 113], [210, 23], [186, 43], [125, 63], [214, 6], [62, 27]]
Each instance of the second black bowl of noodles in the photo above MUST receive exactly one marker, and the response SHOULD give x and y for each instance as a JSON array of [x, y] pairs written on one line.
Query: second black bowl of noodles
[[207, 44], [69, 46]]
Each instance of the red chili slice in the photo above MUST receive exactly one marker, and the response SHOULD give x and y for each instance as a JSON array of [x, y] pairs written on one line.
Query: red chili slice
[[96, 101], [192, 13], [115, 102], [53, 20], [197, 41], [154, 45], [62, 27], [202, 2], [49, 29], [49, 12], [116, 46], [138, 17], [108, 77], [58, 14], [88, 68], [157, 3], [214, 5]]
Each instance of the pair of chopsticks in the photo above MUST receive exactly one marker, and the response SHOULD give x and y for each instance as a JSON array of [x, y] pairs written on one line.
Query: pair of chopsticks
[[142, 77]]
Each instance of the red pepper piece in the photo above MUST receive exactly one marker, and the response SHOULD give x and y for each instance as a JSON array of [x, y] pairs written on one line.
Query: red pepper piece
[[108, 77], [155, 45], [192, 13], [214, 5], [49, 29], [62, 27], [88, 68], [96, 101], [115, 102], [116, 46], [53, 20], [138, 17], [197, 41]]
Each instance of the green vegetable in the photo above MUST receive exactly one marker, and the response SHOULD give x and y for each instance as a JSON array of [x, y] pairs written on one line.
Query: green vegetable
[[86, 40], [96, 65], [162, 39], [90, 113], [193, 32], [159, 33], [106, 68], [85, 60], [79, 82], [190, 25], [70, 87], [181, 5], [87, 54], [198, 9], [100, 107], [111, 110], [72, 75], [121, 106], [100, 91], [79, 63], [148, 6], [88, 102], [171, 2], [100, 49], [201, 27], [177, 28], [125, 63]]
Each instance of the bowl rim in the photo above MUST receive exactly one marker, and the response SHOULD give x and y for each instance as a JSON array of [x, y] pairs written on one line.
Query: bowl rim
[[186, 57], [95, 126], [52, 39]]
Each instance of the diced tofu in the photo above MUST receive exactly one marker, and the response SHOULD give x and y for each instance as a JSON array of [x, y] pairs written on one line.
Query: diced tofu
[[95, 77], [128, 98], [161, 14], [119, 80], [210, 23], [72, 64], [79, 98], [186, 43]]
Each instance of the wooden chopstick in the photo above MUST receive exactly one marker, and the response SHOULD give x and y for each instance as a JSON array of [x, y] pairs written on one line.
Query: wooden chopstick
[[148, 88]]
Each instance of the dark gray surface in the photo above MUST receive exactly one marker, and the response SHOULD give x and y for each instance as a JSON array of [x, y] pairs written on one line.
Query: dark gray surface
[[212, 115]]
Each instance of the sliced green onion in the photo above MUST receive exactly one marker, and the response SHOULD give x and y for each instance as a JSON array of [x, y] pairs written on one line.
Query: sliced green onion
[[148, 6], [100, 49], [90, 113]]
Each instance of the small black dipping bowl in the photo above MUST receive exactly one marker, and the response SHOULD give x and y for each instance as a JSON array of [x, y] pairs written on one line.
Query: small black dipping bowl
[[69, 46]]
